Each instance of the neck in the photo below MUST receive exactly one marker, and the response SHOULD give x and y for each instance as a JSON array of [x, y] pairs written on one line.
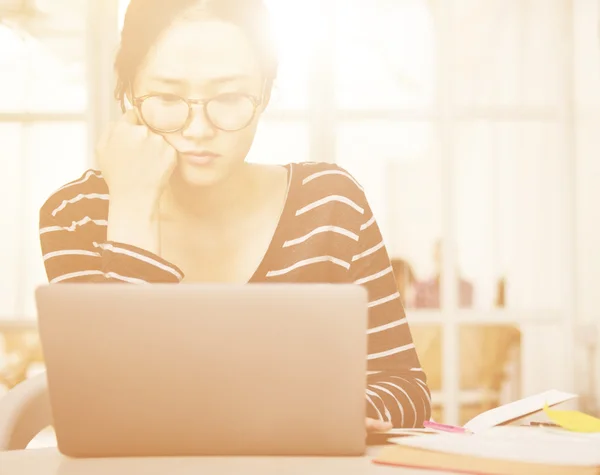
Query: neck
[[211, 202]]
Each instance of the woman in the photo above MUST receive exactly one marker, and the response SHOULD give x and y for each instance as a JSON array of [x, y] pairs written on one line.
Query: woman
[[184, 205]]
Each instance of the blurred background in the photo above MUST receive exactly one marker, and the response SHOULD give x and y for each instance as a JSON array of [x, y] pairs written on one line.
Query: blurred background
[[474, 126]]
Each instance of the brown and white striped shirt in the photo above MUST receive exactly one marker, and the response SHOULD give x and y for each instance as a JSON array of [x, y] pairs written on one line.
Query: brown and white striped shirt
[[327, 233]]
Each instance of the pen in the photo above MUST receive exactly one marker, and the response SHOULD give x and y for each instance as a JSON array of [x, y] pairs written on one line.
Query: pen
[[445, 427]]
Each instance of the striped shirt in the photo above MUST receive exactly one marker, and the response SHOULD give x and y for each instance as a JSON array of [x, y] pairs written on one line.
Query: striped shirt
[[327, 233]]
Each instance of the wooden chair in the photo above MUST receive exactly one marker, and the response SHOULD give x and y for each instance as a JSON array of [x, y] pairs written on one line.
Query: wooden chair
[[24, 412], [484, 353], [22, 349]]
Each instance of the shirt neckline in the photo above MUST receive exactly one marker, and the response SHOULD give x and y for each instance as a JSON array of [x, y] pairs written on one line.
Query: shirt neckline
[[278, 238]]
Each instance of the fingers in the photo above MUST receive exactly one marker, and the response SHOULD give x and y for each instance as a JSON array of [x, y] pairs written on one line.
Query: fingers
[[132, 117], [374, 425], [130, 121]]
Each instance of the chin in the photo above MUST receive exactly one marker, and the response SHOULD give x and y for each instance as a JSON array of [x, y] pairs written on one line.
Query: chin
[[200, 176]]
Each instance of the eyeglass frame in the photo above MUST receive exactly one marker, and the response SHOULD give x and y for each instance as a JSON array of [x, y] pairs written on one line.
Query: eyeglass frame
[[137, 102]]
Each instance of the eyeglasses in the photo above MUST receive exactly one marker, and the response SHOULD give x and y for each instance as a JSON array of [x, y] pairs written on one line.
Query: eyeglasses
[[170, 113]]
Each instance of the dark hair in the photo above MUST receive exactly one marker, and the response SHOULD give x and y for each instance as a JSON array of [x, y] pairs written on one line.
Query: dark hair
[[146, 20]]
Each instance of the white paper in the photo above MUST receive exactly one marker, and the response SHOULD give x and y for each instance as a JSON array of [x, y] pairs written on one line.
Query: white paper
[[524, 444], [398, 431], [517, 409]]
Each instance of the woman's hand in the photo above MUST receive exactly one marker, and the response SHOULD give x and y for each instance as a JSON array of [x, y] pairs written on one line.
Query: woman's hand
[[374, 425], [135, 162], [136, 165]]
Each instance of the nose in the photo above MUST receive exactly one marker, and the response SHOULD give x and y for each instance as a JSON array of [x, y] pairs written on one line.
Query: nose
[[199, 127]]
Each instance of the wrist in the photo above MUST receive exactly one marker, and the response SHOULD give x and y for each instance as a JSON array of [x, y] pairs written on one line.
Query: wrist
[[134, 208], [134, 223]]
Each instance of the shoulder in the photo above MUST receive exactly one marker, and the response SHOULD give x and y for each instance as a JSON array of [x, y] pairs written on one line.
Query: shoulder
[[326, 179], [89, 186], [326, 193]]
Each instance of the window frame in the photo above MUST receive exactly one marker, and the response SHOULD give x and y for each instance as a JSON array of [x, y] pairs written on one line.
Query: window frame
[[445, 115]]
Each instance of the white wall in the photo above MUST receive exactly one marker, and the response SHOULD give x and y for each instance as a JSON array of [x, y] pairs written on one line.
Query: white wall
[[587, 67]]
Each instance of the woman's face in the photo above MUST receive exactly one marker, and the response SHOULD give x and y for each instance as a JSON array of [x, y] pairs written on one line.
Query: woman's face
[[200, 60]]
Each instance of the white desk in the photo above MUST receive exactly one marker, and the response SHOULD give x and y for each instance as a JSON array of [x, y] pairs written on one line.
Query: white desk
[[50, 462]]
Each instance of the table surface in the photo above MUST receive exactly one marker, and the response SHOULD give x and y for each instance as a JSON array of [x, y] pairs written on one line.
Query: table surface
[[49, 461]]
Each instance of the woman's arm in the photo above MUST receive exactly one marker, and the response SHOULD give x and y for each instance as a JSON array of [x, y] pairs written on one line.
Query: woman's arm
[[397, 386], [74, 251]]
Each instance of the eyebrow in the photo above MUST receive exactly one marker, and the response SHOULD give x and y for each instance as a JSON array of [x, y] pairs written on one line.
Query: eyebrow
[[168, 81]]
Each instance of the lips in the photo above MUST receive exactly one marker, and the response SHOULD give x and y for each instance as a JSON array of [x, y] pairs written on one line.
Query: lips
[[200, 158]]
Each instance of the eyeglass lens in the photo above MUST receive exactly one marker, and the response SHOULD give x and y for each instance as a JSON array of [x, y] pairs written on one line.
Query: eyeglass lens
[[171, 113]]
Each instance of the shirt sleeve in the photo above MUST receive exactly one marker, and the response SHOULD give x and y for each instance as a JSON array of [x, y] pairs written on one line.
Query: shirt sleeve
[[71, 255], [396, 384]]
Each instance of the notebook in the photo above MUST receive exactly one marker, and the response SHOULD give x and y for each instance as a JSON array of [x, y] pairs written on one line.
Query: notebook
[[502, 415], [498, 451], [517, 410]]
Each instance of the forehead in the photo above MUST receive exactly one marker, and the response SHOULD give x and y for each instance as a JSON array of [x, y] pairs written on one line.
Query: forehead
[[198, 51]]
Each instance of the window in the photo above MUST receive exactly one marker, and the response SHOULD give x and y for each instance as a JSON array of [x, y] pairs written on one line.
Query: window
[[279, 143], [384, 54], [398, 164], [510, 212], [43, 131], [43, 60], [504, 130], [505, 52], [452, 115]]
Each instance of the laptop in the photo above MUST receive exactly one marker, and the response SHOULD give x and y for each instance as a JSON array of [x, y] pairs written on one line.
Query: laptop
[[165, 370]]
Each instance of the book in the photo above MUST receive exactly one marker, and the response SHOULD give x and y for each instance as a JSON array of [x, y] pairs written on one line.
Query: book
[[517, 410], [499, 450], [504, 414]]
